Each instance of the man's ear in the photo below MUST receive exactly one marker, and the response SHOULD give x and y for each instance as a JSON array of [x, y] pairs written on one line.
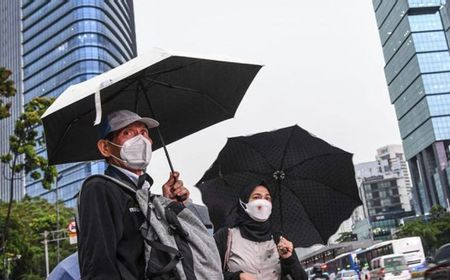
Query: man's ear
[[104, 148]]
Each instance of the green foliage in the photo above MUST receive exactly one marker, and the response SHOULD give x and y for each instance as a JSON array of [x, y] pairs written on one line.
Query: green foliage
[[25, 140], [31, 217], [7, 89], [344, 237], [22, 158], [433, 233]]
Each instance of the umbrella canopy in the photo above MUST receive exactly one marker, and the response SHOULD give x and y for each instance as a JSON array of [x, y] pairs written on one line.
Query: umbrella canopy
[[184, 93], [313, 183]]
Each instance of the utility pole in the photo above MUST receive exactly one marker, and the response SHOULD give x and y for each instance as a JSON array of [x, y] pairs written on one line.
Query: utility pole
[[58, 179], [46, 253], [52, 236], [57, 215]]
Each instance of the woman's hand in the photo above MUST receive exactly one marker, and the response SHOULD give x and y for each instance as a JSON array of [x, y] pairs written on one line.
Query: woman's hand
[[246, 276], [285, 248]]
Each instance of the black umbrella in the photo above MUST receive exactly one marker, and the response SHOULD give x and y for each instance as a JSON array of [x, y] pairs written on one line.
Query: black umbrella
[[185, 94], [313, 182]]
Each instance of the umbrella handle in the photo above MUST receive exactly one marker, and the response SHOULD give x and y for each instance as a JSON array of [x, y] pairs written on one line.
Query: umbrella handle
[[182, 197]]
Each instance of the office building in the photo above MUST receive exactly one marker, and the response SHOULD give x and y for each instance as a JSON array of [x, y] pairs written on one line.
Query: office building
[[68, 42], [414, 36], [385, 189], [10, 40]]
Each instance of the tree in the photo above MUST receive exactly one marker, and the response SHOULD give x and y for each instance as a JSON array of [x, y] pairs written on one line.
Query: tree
[[31, 217], [433, 233], [22, 158], [345, 237], [7, 90]]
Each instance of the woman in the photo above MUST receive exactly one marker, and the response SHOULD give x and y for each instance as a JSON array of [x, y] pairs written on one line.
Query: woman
[[248, 250]]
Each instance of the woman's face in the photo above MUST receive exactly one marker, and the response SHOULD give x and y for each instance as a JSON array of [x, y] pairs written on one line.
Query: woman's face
[[260, 192]]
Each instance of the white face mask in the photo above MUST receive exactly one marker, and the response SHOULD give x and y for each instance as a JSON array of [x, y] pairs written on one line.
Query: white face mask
[[136, 152], [258, 209]]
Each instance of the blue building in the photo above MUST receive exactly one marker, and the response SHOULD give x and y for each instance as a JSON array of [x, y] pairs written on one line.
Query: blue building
[[68, 42], [414, 35], [10, 40]]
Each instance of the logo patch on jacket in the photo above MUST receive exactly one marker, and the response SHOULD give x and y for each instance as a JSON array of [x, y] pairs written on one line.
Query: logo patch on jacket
[[134, 209]]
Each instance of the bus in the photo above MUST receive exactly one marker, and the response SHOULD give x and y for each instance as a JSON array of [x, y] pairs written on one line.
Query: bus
[[344, 261], [410, 247]]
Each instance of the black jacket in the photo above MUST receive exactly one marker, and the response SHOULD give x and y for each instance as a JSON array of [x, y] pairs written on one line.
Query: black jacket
[[290, 266], [110, 244]]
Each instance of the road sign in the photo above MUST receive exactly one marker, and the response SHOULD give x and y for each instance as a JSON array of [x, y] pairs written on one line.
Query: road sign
[[72, 228]]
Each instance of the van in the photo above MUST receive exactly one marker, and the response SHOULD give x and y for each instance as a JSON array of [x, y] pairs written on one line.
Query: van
[[389, 267]]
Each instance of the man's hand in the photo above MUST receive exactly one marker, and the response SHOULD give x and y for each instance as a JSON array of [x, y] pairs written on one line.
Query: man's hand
[[285, 248], [246, 276], [174, 188]]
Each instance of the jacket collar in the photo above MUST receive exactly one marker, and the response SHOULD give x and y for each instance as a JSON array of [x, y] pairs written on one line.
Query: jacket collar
[[117, 174]]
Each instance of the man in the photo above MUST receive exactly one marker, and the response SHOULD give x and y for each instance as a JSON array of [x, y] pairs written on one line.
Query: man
[[110, 243]]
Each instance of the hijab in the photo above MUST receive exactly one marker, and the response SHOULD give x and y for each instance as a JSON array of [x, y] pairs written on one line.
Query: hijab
[[249, 228]]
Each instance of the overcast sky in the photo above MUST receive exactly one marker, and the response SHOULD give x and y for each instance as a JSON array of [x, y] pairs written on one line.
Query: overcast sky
[[323, 71]]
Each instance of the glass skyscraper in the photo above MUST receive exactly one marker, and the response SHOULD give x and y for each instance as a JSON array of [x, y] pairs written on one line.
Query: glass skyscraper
[[68, 42], [10, 40], [415, 38]]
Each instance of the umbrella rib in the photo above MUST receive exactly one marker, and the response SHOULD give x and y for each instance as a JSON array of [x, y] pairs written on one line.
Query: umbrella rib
[[168, 70], [337, 190], [304, 209], [149, 75], [225, 110], [172, 86], [129, 81], [233, 173], [258, 152], [286, 148], [58, 145], [311, 158]]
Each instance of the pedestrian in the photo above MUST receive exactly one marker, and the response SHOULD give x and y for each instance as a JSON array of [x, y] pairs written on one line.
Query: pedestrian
[[110, 242], [248, 249]]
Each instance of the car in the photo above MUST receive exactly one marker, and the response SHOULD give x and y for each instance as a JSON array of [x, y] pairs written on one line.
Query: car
[[347, 274], [312, 271], [389, 267], [439, 265]]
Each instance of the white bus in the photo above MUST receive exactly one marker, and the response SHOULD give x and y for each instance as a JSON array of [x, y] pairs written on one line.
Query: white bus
[[410, 247]]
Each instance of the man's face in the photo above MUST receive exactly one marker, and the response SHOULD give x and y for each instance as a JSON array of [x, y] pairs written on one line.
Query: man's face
[[130, 131], [119, 137]]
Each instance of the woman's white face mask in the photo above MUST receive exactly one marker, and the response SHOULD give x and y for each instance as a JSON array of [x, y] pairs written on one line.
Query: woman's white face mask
[[135, 153], [258, 209]]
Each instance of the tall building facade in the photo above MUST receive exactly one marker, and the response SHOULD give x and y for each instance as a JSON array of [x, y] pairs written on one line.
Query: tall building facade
[[386, 204], [68, 42], [385, 188], [392, 161], [415, 39], [10, 58]]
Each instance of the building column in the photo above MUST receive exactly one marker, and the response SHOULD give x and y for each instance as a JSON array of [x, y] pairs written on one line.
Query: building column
[[415, 180], [442, 163], [427, 181]]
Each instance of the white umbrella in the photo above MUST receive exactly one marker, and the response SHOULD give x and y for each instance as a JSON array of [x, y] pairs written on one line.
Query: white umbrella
[[185, 93]]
